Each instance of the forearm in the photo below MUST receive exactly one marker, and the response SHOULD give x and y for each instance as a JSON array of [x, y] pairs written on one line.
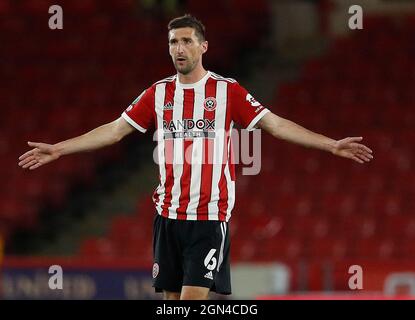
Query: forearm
[[292, 132], [92, 140]]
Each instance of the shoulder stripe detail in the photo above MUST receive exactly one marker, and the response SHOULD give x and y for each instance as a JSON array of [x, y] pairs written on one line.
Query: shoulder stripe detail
[[218, 77], [168, 79]]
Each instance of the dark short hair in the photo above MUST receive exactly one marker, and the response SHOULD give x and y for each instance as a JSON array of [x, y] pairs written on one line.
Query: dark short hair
[[188, 21]]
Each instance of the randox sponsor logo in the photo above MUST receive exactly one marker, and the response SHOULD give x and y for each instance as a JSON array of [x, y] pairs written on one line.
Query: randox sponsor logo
[[189, 124]]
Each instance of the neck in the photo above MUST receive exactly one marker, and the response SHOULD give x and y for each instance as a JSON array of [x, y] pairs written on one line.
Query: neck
[[194, 76]]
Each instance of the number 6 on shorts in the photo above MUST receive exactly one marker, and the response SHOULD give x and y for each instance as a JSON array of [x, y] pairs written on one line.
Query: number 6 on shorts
[[210, 260]]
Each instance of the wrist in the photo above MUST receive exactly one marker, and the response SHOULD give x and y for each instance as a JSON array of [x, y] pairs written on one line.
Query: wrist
[[332, 146], [58, 149]]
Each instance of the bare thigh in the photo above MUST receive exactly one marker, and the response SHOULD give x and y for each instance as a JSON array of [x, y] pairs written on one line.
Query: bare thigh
[[194, 293], [167, 295]]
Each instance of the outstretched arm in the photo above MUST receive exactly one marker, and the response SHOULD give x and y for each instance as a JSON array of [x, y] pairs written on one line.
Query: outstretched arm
[[105, 135], [292, 132]]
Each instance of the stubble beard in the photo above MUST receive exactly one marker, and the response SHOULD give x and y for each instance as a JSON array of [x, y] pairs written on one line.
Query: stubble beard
[[186, 69]]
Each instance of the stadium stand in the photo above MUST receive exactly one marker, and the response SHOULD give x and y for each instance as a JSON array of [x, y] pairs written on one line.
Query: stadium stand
[[311, 206], [64, 77]]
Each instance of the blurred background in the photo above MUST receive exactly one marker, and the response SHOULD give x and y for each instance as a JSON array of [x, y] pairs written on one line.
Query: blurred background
[[309, 215]]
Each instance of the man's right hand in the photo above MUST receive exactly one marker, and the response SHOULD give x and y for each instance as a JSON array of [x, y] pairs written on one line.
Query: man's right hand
[[41, 154]]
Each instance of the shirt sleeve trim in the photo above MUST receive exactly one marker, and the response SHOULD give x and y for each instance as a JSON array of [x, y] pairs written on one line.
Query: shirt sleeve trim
[[254, 121], [133, 123]]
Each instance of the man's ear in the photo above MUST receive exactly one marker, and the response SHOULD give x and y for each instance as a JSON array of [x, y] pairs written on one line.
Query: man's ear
[[204, 46]]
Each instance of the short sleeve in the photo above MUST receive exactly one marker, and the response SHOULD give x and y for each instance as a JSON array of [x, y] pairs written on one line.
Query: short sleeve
[[140, 113], [245, 110]]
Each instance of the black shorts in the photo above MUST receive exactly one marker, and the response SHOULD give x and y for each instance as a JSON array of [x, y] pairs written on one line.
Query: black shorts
[[191, 253]]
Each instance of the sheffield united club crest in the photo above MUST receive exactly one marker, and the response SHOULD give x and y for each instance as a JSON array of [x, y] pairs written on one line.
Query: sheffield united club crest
[[210, 104], [156, 269]]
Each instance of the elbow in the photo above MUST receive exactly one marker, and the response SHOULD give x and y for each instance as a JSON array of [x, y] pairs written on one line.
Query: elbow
[[277, 130], [119, 129], [116, 133], [274, 125]]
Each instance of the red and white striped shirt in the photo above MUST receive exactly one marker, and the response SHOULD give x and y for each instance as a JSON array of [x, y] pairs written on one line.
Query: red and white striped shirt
[[193, 125]]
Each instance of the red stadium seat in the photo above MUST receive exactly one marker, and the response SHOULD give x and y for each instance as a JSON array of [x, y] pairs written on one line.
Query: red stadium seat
[[328, 248], [280, 248], [98, 247], [375, 248], [406, 249]]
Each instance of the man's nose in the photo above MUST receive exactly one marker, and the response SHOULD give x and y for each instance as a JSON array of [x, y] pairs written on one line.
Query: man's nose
[[180, 48]]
